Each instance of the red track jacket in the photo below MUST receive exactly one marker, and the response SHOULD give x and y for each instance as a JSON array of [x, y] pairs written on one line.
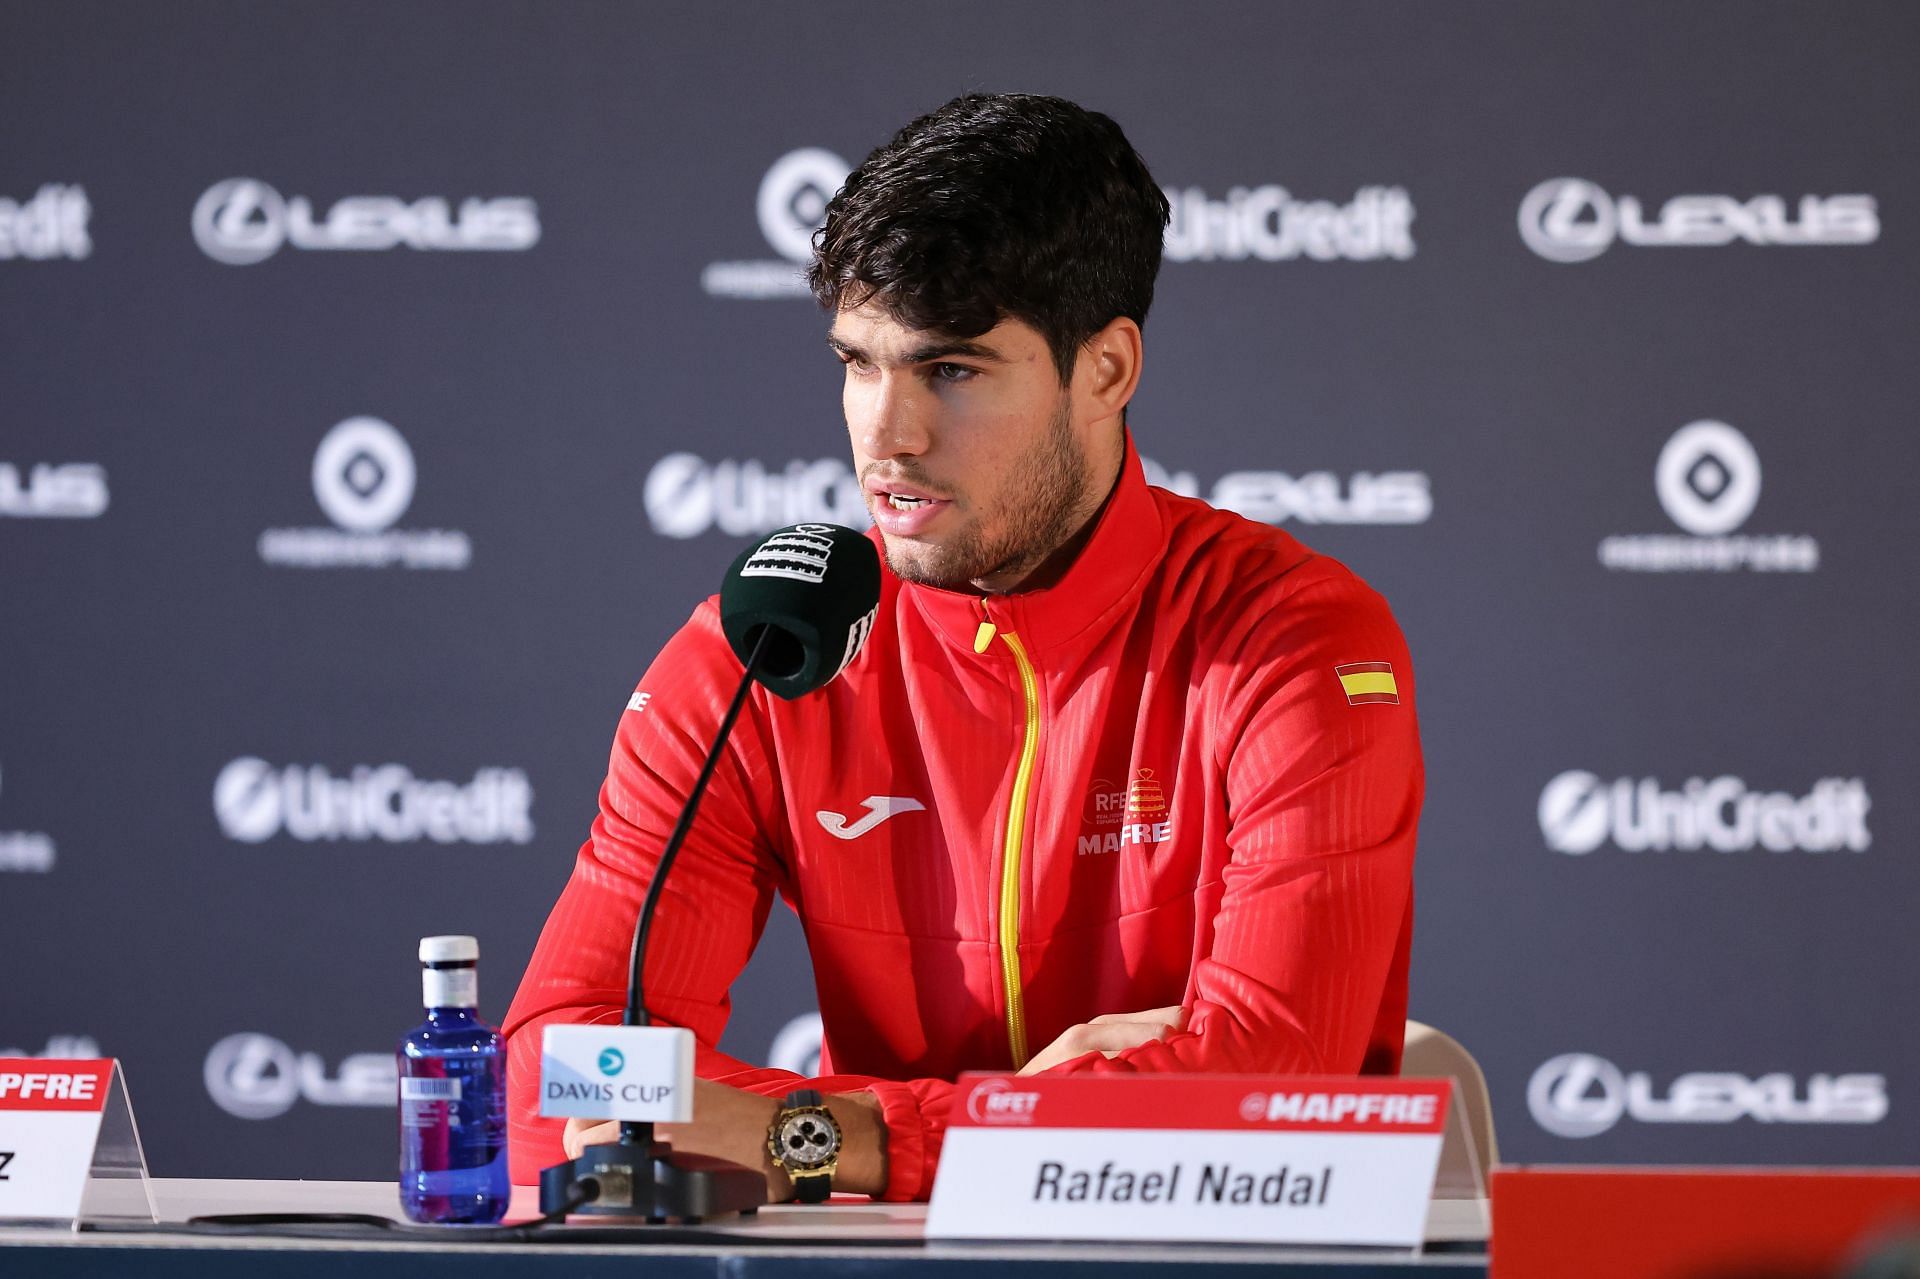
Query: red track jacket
[[1187, 774]]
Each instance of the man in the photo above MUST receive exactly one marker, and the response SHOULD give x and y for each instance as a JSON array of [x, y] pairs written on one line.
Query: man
[[1118, 783]]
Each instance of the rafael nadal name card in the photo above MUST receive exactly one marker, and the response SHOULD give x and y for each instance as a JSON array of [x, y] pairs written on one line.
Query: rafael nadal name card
[[1228, 1158], [68, 1145]]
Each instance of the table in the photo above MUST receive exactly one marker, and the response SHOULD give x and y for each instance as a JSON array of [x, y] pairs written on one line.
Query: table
[[851, 1236]]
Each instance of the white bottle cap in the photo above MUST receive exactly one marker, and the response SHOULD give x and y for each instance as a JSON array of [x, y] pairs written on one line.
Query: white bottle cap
[[449, 950]]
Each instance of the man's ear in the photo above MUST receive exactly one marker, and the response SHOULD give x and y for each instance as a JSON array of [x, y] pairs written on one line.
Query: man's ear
[[1108, 369]]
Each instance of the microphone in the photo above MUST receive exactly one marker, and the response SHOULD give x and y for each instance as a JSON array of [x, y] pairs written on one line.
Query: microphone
[[811, 592], [796, 608]]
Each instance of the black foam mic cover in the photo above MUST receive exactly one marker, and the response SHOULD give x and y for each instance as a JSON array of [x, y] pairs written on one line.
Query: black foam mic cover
[[814, 588]]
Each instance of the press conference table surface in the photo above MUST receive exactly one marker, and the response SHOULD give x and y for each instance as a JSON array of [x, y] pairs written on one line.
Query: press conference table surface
[[783, 1241]]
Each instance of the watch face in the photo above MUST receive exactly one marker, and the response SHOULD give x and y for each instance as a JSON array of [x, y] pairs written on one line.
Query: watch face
[[807, 1140]]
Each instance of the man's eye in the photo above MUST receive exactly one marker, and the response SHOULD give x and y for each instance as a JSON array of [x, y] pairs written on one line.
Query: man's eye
[[858, 366], [952, 372]]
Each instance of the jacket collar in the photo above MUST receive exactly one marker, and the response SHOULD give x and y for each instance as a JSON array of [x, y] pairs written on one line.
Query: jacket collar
[[1127, 541]]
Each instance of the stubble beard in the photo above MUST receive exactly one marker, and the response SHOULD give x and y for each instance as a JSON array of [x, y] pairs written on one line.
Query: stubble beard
[[1032, 519]]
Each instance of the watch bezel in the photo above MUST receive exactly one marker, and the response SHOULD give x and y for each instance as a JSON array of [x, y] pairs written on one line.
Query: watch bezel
[[786, 1116]]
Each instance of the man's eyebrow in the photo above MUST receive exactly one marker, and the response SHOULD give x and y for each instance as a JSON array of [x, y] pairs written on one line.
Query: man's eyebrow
[[938, 349]]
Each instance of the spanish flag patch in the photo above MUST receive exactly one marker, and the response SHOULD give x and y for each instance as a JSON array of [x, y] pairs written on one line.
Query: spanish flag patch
[[1368, 682]]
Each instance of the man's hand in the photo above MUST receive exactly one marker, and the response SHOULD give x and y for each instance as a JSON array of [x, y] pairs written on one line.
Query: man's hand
[[731, 1124], [1107, 1035]]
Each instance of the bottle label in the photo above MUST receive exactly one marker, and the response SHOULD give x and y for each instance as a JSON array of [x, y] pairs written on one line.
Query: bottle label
[[429, 1089], [450, 987]]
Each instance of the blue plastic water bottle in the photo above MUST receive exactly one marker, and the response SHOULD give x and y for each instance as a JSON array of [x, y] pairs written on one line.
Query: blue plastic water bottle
[[453, 1096]]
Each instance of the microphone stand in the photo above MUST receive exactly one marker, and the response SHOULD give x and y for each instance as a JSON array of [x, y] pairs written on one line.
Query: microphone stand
[[640, 1175]]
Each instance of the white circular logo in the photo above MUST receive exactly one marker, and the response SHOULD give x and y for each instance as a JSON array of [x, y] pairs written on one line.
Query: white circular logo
[[363, 475], [1708, 478], [982, 1096], [1577, 1095], [678, 496], [1253, 1107], [797, 1046], [1573, 813], [1551, 220], [252, 1076], [793, 199], [246, 799], [240, 221]]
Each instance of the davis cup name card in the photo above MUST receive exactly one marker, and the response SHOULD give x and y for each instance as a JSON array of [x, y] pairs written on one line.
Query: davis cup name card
[[1277, 1159]]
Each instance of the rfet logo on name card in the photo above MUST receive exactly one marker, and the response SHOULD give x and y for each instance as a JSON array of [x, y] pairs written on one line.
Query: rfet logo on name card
[[50, 1126], [1280, 1159]]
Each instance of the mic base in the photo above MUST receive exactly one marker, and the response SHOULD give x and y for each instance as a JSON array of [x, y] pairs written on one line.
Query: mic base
[[651, 1180]]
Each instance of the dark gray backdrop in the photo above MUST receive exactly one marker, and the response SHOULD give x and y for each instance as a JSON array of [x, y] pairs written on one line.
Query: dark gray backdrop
[[1415, 388]]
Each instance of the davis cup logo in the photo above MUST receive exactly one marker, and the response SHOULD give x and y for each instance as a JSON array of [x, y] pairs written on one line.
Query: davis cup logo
[[997, 1101]]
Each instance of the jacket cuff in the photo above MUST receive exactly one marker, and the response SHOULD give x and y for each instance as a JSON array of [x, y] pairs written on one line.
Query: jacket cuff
[[906, 1141]]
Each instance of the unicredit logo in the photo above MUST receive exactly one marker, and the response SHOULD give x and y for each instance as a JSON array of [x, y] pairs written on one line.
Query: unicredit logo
[[1574, 220], [686, 496], [1268, 224], [255, 1076], [1580, 813], [256, 801], [1581, 1095], [243, 220]]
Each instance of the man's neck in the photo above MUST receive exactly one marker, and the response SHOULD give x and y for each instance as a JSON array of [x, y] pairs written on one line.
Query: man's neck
[[1054, 564]]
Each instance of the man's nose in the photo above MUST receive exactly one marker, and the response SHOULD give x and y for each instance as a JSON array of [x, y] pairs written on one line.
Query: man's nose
[[892, 419]]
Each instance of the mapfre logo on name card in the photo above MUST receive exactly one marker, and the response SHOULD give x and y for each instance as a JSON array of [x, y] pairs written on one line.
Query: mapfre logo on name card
[[1276, 1159], [50, 1114]]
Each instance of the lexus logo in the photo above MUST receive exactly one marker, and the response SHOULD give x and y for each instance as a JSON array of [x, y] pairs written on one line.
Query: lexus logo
[[1554, 221], [1573, 220], [255, 1076], [1581, 1095], [1708, 478], [240, 221], [252, 1076], [1577, 1095]]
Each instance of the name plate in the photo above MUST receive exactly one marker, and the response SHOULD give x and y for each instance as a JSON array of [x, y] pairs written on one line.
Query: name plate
[[617, 1072], [54, 1160], [1228, 1158]]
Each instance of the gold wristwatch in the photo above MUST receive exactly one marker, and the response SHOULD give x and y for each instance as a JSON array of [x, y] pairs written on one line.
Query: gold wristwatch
[[805, 1140]]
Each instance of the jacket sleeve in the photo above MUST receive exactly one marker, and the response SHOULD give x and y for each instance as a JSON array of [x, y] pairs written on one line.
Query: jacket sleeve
[[1307, 967], [716, 899], [711, 912]]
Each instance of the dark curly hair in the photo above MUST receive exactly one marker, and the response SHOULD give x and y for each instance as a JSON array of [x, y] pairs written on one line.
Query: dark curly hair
[[998, 206]]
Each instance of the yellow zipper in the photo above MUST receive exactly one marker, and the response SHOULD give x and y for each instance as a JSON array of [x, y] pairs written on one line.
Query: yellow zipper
[[1016, 834]]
